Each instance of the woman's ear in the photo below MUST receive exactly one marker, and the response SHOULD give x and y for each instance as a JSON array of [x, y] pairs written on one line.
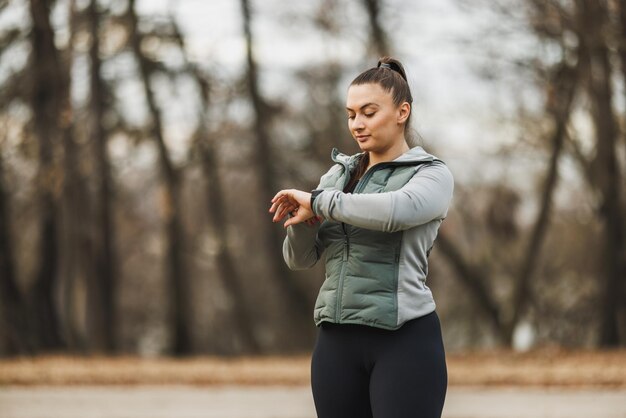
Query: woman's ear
[[404, 111]]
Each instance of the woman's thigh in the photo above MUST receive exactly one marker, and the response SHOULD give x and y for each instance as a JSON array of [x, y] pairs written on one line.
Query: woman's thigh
[[409, 378], [339, 380]]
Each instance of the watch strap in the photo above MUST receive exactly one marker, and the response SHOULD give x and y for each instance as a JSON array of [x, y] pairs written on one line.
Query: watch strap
[[314, 194]]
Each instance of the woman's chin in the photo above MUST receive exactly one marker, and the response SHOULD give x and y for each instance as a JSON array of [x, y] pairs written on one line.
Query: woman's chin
[[365, 146]]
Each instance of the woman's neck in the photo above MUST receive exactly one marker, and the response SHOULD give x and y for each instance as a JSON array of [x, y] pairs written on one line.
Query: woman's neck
[[388, 155]]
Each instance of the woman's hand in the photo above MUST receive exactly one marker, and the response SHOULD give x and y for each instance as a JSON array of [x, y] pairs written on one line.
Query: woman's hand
[[295, 202]]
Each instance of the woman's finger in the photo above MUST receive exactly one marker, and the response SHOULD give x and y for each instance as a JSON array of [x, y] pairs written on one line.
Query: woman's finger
[[276, 196], [281, 212], [274, 205], [283, 209], [281, 193], [299, 217], [278, 212], [277, 203]]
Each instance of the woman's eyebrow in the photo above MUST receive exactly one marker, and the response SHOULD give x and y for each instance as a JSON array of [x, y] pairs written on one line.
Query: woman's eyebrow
[[365, 105]]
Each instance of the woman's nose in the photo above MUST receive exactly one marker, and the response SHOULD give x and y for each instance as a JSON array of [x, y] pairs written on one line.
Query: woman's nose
[[358, 122]]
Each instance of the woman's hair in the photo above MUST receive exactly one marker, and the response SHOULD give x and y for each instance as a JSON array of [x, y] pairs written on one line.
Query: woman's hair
[[392, 78]]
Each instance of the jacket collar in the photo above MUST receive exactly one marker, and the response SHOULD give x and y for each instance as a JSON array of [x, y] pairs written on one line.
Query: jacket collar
[[415, 154]]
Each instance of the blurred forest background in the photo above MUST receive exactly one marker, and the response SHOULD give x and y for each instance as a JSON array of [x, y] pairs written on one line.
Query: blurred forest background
[[141, 143]]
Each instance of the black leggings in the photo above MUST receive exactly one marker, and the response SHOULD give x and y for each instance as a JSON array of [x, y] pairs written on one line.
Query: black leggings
[[358, 371]]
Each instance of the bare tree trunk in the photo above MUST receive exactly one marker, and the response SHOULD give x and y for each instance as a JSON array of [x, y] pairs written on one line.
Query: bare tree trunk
[[622, 53], [230, 278], [622, 44], [46, 93], [205, 144], [75, 226], [593, 18], [102, 318], [295, 298], [13, 311], [563, 88], [180, 308], [378, 36]]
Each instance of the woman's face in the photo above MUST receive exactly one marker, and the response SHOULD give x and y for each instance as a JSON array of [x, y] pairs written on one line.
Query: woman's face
[[374, 121]]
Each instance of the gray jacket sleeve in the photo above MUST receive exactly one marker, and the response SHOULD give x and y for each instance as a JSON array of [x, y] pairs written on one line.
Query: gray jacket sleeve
[[301, 248], [425, 197]]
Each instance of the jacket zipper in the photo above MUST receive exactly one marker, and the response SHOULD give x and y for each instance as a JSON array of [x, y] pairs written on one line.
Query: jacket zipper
[[344, 260], [344, 256]]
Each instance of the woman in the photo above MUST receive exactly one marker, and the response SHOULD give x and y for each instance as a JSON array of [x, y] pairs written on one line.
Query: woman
[[375, 214]]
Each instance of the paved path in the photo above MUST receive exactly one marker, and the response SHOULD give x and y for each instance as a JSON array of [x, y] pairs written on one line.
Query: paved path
[[288, 402]]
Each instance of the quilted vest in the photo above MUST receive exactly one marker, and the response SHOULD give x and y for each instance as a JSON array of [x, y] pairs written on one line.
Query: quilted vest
[[361, 279]]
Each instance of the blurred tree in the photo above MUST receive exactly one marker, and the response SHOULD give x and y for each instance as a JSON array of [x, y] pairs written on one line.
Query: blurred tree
[[293, 300], [204, 144], [560, 85], [595, 28], [180, 314], [49, 104], [13, 310], [102, 311], [77, 244], [379, 40], [592, 25], [321, 116], [502, 213], [583, 34], [621, 43]]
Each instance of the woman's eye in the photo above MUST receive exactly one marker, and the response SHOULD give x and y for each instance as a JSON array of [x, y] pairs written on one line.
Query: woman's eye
[[350, 117], [369, 115]]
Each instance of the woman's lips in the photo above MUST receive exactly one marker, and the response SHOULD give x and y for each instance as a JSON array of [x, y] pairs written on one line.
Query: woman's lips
[[362, 138]]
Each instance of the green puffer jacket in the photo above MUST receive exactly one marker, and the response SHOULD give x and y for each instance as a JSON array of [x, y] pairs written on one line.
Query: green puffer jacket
[[376, 240]]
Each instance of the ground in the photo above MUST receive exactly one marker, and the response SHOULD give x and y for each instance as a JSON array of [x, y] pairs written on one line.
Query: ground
[[167, 401], [552, 383]]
